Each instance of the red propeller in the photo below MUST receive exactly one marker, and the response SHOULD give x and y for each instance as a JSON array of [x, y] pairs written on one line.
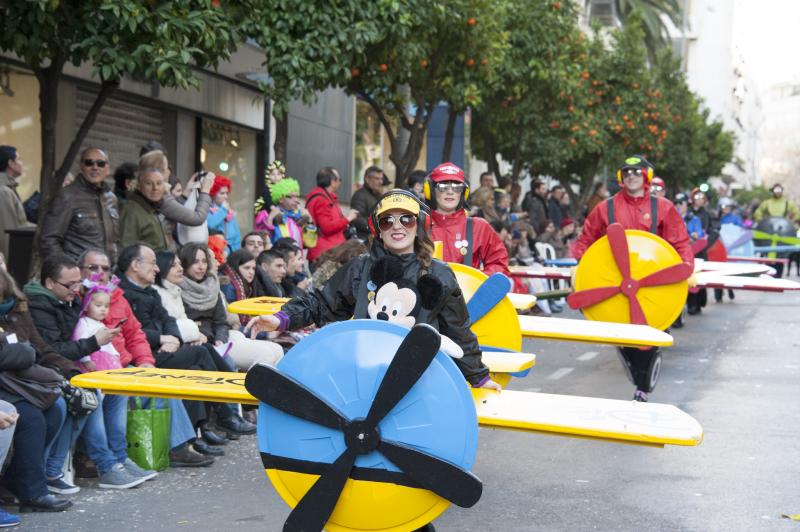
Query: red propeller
[[629, 286]]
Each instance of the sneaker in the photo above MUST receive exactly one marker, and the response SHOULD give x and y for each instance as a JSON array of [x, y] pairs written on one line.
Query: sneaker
[[7, 519], [61, 486], [118, 478], [136, 471], [640, 396]]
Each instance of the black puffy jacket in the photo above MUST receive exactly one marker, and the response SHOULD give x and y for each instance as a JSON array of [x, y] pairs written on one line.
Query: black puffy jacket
[[147, 307], [345, 296]]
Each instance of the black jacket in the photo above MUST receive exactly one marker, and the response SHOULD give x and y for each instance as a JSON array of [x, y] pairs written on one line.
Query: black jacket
[[345, 296], [213, 323], [147, 307], [55, 320]]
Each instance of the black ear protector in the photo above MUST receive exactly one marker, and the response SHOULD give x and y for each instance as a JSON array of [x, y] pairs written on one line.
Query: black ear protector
[[430, 196], [423, 218]]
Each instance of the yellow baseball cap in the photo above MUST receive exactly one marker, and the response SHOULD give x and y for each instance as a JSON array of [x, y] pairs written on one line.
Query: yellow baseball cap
[[397, 199]]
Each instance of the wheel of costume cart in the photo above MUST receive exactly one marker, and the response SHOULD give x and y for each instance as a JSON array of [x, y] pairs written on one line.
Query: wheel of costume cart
[[631, 276], [344, 364]]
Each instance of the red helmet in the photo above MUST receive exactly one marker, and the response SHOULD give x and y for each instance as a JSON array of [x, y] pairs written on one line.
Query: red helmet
[[658, 182]]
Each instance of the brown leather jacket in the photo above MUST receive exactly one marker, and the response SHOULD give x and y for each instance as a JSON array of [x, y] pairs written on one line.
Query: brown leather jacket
[[80, 217]]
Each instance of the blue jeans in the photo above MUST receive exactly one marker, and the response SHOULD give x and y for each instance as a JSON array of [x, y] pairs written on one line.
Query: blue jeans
[[105, 444], [36, 430], [181, 429]]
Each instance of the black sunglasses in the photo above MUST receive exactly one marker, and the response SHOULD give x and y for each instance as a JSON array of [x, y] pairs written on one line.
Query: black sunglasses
[[100, 163], [409, 221]]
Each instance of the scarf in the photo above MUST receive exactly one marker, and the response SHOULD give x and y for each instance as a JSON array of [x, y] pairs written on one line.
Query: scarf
[[240, 288], [201, 295]]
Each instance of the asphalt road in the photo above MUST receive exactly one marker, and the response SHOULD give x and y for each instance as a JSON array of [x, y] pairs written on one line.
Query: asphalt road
[[736, 369]]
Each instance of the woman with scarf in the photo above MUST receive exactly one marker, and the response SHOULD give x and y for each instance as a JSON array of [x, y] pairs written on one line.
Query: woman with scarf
[[202, 298], [237, 279], [398, 223]]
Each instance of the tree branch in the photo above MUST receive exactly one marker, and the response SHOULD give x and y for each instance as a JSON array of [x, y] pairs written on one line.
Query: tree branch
[[382, 117]]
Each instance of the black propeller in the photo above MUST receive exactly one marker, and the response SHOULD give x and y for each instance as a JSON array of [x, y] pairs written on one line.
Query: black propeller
[[362, 436]]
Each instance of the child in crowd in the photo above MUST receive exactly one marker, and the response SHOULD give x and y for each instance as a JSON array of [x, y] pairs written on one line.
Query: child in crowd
[[93, 311], [264, 204], [221, 217]]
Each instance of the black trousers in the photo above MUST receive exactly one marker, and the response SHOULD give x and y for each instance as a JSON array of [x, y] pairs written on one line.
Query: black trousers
[[35, 430], [642, 366], [189, 357]]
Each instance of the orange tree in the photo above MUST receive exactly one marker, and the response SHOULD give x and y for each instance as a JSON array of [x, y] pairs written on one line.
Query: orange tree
[[402, 57], [436, 52], [696, 146]]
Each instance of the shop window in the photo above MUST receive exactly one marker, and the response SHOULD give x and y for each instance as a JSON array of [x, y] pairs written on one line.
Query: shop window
[[20, 124], [231, 151]]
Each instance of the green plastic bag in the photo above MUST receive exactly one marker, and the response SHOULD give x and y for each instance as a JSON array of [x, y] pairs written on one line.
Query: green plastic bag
[[148, 435]]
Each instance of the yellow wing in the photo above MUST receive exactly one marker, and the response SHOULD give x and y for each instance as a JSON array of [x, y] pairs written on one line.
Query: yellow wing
[[582, 417]]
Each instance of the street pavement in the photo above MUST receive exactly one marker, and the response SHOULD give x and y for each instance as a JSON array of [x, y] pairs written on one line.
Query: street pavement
[[735, 368]]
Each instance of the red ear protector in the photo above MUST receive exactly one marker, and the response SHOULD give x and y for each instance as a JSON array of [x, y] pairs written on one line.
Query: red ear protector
[[423, 218], [428, 193]]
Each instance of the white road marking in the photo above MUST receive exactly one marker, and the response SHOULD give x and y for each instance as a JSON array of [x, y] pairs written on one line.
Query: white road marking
[[588, 356], [561, 372]]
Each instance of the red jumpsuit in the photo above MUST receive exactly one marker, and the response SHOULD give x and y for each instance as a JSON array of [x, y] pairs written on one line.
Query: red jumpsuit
[[634, 213], [642, 364], [488, 252]]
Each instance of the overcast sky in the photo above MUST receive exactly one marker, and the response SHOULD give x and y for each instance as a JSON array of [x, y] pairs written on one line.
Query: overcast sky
[[771, 40]]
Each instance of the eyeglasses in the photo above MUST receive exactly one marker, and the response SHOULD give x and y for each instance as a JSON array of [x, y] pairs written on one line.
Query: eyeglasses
[[451, 185], [100, 163], [658, 188], [72, 287], [632, 172], [96, 268], [409, 221]]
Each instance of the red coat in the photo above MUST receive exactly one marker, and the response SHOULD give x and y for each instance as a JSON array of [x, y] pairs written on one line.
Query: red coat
[[489, 254], [329, 219], [634, 213], [131, 342]]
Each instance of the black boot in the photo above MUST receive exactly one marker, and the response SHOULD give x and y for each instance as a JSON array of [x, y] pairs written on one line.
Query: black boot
[[211, 437]]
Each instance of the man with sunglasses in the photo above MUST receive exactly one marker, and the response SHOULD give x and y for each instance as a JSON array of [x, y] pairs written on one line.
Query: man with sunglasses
[[465, 239], [634, 208], [84, 214]]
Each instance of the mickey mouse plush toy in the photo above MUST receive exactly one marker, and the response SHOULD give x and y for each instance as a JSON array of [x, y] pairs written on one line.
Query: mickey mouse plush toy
[[395, 299]]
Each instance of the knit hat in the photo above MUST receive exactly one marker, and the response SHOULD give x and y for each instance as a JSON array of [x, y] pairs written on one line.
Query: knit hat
[[566, 221]]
